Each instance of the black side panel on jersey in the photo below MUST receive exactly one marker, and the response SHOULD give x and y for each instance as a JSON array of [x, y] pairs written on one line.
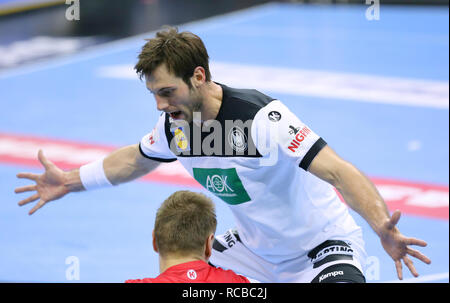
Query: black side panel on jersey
[[232, 137]]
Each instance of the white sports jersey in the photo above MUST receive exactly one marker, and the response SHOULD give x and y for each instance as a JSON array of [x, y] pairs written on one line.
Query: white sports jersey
[[255, 158]]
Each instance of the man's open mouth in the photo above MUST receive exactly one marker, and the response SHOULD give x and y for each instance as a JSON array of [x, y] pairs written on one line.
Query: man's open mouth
[[175, 115]]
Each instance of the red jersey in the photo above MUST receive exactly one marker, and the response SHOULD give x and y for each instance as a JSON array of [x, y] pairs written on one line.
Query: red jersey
[[194, 272]]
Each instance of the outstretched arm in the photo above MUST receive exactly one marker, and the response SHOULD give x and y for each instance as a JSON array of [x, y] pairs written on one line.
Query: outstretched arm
[[122, 165], [363, 197]]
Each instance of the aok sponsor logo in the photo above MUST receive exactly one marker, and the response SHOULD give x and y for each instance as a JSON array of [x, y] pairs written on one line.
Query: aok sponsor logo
[[218, 184], [224, 183], [299, 137]]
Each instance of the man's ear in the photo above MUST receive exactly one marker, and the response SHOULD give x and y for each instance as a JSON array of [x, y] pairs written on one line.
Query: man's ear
[[208, 246], [155, 248], [198, 77]]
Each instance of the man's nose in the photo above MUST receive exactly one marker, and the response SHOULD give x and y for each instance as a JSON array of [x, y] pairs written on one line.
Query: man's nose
[[161, 103]]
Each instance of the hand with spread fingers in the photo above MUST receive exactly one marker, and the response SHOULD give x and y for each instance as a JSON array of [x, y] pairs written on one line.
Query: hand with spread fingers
[[48, 186], [397, 246], [122, 165]]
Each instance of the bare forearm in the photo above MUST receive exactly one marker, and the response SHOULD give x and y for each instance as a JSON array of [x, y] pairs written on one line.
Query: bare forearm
[[127, 164], [362, 196], [122, 165]]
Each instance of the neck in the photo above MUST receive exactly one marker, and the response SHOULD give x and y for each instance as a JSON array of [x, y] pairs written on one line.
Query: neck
[[212, 100], [169, 261]]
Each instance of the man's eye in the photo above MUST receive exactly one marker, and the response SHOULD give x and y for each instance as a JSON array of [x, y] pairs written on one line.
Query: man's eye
[[165, 94]]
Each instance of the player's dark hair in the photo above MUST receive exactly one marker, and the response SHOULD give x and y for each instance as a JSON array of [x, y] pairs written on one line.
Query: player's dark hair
[[183, 223], [181, 52]]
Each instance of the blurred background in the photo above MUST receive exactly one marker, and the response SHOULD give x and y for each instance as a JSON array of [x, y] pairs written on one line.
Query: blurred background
[[26, 22], [371, 78]]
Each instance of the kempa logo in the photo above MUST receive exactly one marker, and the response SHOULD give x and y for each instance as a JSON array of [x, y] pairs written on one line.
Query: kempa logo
[[218, 184], [331, 274]]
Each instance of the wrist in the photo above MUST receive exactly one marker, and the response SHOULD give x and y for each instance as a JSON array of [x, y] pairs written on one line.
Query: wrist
[[72, 181], [385, 229], [92, 175], [379, 230]]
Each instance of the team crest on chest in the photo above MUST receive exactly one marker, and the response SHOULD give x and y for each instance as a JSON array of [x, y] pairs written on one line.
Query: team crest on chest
[[237, 139]]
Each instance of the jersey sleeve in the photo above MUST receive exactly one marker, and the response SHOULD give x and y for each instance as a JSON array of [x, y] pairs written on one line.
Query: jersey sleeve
[[154, 145], [278, 132]]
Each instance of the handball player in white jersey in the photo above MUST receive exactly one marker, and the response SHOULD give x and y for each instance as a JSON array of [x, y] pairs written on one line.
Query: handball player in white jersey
[[276, 174]]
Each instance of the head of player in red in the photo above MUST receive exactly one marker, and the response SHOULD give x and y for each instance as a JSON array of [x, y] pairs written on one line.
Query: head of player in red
[[183, 237]]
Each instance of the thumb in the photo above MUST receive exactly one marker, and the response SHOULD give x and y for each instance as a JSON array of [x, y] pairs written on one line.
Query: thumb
[[394, 219], [44, 161]]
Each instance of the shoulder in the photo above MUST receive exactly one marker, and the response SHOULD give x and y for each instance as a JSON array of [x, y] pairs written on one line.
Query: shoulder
[[249, 96], [247, 101], [273, 112], [227, 276]]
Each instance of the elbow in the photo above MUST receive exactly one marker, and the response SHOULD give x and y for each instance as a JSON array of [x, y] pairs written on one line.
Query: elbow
[[340, 175]]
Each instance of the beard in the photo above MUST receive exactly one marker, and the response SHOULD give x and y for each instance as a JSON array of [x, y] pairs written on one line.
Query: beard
[[195, 106]]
